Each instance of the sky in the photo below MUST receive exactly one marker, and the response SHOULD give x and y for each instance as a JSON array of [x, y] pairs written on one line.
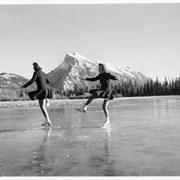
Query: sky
[[143, 36]]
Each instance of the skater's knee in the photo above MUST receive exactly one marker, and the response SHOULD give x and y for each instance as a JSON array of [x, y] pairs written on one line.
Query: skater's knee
[[94, 96]]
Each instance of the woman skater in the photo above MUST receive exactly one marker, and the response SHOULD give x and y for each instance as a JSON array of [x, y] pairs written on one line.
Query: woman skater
[[104, 92], [42, 91]]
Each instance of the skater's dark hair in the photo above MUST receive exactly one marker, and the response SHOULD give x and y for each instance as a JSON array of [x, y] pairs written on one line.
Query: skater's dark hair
[[36, 65], [103, 67]]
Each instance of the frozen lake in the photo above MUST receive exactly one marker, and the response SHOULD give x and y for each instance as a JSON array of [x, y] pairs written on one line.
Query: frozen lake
[[143, 140]]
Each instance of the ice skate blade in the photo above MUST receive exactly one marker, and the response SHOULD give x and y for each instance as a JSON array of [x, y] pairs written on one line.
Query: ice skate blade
[[46, 125], [106, 125], [81, 110]]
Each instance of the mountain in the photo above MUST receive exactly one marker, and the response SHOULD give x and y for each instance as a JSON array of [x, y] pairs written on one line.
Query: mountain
[[68, 74], [9, 80]]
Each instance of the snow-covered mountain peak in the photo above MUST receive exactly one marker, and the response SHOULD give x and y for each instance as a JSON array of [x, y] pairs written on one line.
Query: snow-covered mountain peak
[[112, 67], [78, 58], [75, 62], [69, 72]]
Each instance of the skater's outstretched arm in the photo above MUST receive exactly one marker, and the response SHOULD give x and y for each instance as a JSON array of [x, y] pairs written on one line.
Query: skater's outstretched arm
[[91, 79], [31, 81], [113, 77]]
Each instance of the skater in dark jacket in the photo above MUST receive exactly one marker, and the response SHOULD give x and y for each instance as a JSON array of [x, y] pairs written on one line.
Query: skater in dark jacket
[[104, 92], [42, 91]]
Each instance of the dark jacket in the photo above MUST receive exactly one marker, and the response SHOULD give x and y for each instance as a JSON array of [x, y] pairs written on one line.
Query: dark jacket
[[104, 79], [41, 80]]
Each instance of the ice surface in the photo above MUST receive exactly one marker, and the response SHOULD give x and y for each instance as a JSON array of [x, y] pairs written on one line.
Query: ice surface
[[143, 140]]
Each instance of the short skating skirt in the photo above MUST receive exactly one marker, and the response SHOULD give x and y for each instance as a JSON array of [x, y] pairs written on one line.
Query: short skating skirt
[[43, 94], [102, 94]]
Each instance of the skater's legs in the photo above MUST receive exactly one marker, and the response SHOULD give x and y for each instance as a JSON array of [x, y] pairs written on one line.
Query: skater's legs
[[84, 107], [42, 104], [105, 108], [106, 112], [94, 96]]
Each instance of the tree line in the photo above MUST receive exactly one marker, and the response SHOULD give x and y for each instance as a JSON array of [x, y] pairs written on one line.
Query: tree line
[[123, 89], [150, 88], [12, 94]]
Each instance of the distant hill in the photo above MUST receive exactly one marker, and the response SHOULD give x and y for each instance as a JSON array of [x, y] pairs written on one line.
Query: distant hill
[[9, 80], [68, 74]]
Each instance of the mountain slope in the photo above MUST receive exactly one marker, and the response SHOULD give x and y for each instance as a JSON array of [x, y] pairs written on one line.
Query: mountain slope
[[68, 74], [9, 80]]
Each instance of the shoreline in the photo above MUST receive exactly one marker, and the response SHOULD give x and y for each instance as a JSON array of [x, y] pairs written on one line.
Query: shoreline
[[33, 104], [62, 102]]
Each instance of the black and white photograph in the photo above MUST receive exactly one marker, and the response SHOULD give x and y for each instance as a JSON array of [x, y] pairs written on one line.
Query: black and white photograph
[[89, 89]]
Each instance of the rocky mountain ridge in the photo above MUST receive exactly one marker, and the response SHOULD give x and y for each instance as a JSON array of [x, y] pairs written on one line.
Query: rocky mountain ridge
[[67, 76]]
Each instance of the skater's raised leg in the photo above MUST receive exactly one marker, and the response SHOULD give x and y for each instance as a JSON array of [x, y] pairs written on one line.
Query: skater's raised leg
[[85, 106]]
